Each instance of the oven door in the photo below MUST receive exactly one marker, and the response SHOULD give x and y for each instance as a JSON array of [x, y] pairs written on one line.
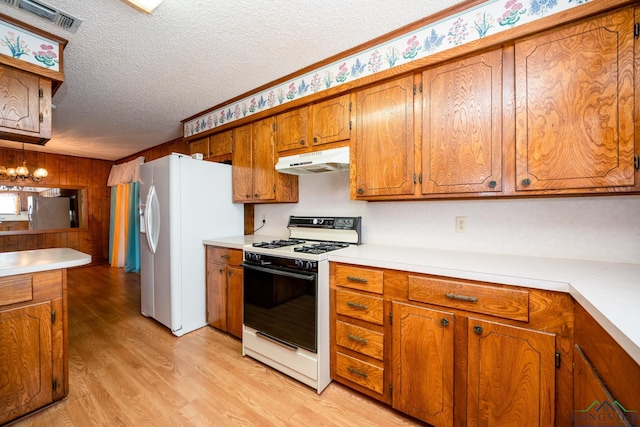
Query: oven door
[[281, 305]]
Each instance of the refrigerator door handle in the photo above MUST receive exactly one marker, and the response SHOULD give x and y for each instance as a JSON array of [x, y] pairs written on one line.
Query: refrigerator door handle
[[152, 219]]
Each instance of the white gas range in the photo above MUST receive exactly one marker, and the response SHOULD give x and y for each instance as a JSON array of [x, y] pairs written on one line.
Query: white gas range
[[286, 297]]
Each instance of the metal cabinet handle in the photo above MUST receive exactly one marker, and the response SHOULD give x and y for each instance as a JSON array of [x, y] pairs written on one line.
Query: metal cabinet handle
[[357, 338], [302, 142], [357, 305], [360, 191], [492, 184], [444, 322], [357, 372], [526, 182], [478, 330], [461, 297], [357, 279]]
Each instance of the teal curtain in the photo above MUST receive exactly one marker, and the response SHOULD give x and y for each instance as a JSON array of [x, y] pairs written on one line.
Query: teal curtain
[[132, 261]]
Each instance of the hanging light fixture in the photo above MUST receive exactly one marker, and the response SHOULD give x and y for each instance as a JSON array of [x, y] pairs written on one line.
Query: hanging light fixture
[[22, 172]]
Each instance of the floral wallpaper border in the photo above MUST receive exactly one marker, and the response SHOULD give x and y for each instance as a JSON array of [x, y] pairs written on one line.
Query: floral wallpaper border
[[488, 18], [29, 47]]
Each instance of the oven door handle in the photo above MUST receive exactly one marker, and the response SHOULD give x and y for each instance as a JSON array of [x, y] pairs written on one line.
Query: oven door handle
[[309, 277]]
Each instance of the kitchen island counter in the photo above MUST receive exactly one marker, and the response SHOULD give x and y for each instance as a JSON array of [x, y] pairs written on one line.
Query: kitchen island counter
[[22, 262], [608, 291]]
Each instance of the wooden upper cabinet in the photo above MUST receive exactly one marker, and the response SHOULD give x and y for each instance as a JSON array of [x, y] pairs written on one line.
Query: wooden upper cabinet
[[329, 120], [263, 157], [292, 129], [511, 375], [26, 106], [462, 126], [384, 149], [255, 179], [423, 349], [575, 106], [220, 143], [241, 171], [200, 146]]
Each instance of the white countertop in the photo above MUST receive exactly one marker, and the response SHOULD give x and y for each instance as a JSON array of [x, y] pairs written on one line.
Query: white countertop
[[237, 242], [608, 291], [21, 262]]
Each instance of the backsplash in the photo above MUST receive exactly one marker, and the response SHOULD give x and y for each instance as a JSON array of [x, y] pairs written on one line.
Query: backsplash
[[589, 228]]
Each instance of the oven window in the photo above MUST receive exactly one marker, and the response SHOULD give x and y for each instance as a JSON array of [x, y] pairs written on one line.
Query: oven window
[[281, 306]]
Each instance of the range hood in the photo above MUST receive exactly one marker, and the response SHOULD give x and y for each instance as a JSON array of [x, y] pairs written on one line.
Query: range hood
[[333, 160]]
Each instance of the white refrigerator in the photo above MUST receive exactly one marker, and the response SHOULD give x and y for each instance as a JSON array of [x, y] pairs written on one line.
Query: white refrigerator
[[183, 201]]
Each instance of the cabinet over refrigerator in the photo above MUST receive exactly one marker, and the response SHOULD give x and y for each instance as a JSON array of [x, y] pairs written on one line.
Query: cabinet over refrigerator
[[183, 201]]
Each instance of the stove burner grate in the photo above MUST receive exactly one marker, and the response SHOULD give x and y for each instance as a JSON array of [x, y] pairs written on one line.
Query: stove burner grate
[[274, 244]]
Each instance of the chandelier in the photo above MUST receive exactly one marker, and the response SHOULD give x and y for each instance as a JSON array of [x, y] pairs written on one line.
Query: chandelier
[[22, 172]]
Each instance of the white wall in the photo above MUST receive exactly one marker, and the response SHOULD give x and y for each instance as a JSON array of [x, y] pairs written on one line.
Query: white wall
[[592, 228]]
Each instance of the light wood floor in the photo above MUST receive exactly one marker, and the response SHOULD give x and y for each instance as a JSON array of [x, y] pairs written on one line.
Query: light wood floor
[[128, 370]]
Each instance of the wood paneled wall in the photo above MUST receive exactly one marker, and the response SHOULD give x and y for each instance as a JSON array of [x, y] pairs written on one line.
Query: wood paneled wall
[[175, 146], [73, 172]]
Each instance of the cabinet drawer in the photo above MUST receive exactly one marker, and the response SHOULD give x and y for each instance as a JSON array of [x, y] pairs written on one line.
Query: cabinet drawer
[[364, 279], [15, 289], [362, 340], [480, 298], [359, 306], [363, 373], [224, 255]]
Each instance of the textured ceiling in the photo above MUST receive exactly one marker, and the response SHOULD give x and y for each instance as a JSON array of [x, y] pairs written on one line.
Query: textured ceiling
[[130, 78]]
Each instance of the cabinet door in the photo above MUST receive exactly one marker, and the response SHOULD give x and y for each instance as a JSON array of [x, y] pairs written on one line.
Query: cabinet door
[[462, 135], [26, 358], [292, 129], [384, 144], [575, 106], [200, 146], [234, 301], [217, 295], [511, 375], [423, 363], [220, 143], [19, 96], [241, 170], [263, 157], [329, 120]]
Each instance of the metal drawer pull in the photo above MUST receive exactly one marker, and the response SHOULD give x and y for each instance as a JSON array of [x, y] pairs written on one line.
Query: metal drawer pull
[[356, 338], [461, 297], [357, 372], [356, 305], [357, 279]]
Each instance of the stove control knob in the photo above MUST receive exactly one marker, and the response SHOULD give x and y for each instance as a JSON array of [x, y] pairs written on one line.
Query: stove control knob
[[310, 265], [299, 263]]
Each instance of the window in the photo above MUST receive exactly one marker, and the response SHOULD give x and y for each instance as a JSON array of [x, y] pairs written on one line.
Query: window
[[9, 204]]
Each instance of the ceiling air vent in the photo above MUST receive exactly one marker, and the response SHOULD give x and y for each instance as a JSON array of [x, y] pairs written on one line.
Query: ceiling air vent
[[46, 11]]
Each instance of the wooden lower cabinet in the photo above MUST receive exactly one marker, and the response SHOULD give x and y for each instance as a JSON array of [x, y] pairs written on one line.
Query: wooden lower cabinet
[[33, 342], [606, 379], [511, 375], [357, 329], [224, 289], [423, 363], [454, 352]]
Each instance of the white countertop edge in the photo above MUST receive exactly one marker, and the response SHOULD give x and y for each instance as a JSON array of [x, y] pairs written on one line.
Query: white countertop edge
[[37, 260]]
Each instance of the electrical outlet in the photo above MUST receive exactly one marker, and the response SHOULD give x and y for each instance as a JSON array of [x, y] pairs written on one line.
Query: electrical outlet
[[461, 224], [264, 218]]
